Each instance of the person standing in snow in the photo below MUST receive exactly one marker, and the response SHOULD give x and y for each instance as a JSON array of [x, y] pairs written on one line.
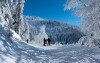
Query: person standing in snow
[[49, 41], [27, 40], [44, 41]]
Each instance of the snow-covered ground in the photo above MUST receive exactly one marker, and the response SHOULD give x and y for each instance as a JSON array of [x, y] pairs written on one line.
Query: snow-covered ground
[[20, 52], [14, 50]]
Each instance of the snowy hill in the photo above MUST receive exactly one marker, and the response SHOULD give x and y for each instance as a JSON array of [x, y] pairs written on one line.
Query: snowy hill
[[14, 50], [57, 31], [17, 51]]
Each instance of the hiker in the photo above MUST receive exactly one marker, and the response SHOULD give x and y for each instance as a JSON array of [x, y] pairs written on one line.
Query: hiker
[[27, 40], [49, 41], [91, 35], [44, 41]]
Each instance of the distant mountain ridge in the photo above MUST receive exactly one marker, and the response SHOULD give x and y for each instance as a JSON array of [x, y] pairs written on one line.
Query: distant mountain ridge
[[34, 18], [57, 31]]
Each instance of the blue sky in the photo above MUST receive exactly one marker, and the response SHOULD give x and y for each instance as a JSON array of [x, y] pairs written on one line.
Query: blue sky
[[50, 9]]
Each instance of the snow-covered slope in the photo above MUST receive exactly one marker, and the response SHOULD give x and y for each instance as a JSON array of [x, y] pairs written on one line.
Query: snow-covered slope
[[14, 50], [57, 31], [17, 51]]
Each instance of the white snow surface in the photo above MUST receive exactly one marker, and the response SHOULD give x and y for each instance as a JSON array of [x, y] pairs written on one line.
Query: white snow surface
[[15, 35], [14, 50], [17, 51]]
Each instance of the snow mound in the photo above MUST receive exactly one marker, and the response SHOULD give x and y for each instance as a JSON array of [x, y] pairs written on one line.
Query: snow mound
[[90, 41], [15, 35]]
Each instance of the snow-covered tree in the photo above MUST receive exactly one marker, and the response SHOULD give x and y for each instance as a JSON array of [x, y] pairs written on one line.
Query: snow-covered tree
[[42, 34], [89, 10], [11, 17]]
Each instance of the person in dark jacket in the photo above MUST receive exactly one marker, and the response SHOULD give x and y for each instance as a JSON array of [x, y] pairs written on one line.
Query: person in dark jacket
[[49, 41], [44, 41], [27, 40]]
